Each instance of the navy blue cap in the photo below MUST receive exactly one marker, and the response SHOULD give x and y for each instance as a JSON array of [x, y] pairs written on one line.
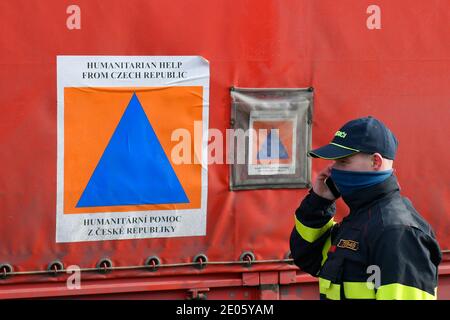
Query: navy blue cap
[[367, 135]]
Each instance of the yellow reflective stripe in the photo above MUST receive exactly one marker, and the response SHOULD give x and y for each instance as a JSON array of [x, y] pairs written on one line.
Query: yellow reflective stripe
[[358, 290], [397, 291], [312, 234], [325, 249], [341, 146], [330, 290]]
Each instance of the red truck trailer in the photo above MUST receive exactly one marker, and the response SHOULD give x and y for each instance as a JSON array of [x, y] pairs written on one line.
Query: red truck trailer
[[91, 89]]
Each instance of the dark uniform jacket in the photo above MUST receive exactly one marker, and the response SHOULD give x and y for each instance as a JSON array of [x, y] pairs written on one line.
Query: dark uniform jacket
[[383, 249]]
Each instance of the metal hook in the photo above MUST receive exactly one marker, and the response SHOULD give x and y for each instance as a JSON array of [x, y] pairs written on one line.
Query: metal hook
[[247, 257], [6, 269], [54, 267], [153, 263], [104, 265], [201, 260]]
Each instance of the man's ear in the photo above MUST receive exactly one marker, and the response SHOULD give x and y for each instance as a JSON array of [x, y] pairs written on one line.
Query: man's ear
[[377, 161]]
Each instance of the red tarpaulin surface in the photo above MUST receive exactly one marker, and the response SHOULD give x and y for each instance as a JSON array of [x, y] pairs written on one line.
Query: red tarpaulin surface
[[399, 74]]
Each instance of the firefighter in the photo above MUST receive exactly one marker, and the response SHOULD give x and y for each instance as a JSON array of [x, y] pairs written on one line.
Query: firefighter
[[383, 249]]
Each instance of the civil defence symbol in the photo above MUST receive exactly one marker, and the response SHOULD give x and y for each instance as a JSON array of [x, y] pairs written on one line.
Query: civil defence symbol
[[267, 152], [133, 169]]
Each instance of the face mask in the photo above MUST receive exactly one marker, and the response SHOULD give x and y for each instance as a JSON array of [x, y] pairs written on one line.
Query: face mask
[[350, 181]]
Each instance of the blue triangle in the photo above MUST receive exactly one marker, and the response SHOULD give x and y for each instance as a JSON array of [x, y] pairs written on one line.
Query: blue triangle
[[133, 169], [265, 152]]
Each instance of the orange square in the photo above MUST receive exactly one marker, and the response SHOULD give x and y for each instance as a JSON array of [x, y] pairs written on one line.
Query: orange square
[[285, 130], [92, 114]]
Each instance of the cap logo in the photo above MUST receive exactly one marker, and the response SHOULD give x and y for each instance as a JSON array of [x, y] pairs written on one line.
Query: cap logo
[[341, 134]]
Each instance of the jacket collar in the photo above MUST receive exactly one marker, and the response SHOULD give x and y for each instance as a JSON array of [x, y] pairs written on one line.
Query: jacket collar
[[364, 197]]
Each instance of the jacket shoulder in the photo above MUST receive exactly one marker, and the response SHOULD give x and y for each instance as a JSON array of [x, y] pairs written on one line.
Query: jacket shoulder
[[398, 211], [396, 219]]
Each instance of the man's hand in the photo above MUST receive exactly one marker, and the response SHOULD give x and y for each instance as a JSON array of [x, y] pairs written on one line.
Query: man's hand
[[320, 187]]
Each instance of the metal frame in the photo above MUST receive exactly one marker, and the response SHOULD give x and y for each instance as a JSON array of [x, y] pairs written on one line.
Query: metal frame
[[302, 176]]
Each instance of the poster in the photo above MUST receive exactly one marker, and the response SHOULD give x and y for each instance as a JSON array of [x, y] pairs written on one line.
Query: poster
[[272, 142], [118, 176]]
